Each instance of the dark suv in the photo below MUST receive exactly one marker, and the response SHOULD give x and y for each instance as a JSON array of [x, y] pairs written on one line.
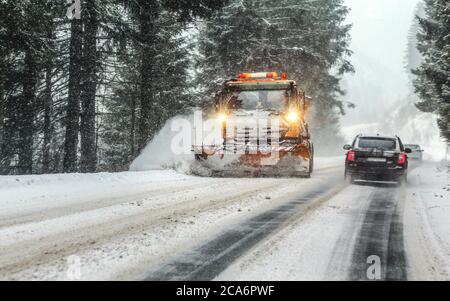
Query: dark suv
[[377, 158]]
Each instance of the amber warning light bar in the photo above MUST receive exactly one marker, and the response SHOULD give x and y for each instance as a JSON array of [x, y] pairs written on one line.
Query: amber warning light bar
[[273, 75]]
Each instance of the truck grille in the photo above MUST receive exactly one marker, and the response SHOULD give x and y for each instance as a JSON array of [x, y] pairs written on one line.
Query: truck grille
[[252, 136]]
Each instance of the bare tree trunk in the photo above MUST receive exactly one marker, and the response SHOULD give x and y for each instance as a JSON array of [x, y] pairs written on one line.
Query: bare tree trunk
[[133, 125], [47, 118], [89, 88], [8, 142], [27, 115], [147, 17], [2, 102], [146, 95], [73, 103], [5, 143], [48, 102]]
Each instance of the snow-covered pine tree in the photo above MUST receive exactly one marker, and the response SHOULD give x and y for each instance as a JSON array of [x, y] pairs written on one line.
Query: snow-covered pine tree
[[103, 23], [3, 52], [5, 70], [151, 82], [25, 43], [432, 82], [307, 39], [54, 74], [119, 115], [120, 125], [314, 42], [413, 56], [235, 40], [53, 97], [91, 23], [147, 16], [72, 118]]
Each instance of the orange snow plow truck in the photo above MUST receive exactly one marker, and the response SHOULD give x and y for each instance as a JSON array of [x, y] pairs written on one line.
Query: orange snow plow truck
[[263, 130]]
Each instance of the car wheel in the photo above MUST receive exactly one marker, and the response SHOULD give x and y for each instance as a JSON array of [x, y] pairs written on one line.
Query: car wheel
[[348, 178]]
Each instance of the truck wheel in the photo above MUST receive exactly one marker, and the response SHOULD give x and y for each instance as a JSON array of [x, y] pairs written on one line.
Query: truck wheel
[[310, 168], [307, 175], [311, 165], [311, 161]]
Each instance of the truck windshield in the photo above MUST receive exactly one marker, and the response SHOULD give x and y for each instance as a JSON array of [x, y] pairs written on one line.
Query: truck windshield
[[259, 100], [378, 143]]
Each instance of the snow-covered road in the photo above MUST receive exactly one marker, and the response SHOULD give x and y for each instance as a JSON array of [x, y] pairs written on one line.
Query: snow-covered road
[[166, 225], [407, 228]]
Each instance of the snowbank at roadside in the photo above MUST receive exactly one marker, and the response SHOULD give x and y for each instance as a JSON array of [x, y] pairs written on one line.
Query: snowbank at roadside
[[31, 181], [427, 221], [434, 193], [19, 194]]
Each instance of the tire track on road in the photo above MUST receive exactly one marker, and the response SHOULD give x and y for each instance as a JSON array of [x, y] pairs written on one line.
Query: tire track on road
[[212, 258], [381, 235]]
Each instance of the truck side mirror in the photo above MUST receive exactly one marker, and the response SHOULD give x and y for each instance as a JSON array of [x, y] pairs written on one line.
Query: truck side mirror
[[347, 147], [408, 151], [307, 103], [217, 101]]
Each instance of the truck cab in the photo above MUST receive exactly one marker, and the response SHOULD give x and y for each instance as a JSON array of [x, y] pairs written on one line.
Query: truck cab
[[263, 117]]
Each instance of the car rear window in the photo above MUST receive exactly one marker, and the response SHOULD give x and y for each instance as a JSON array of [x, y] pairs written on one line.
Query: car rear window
[[413, 147], [380, 143]]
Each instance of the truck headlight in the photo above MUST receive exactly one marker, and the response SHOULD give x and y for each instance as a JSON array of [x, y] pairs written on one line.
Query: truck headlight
[[222, 117], [293, 116]]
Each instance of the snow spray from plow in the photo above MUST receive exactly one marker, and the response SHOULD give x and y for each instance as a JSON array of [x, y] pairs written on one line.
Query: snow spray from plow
[[174, 148], [158, 155]]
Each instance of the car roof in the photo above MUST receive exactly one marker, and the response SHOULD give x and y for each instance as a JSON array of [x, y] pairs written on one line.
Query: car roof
[[378, 136]]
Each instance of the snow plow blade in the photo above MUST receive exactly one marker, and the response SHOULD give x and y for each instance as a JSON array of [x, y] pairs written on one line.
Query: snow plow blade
[[291, 162]]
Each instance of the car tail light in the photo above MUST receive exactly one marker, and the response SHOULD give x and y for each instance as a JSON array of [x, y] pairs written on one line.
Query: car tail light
[[402, 159], [351, 156]]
